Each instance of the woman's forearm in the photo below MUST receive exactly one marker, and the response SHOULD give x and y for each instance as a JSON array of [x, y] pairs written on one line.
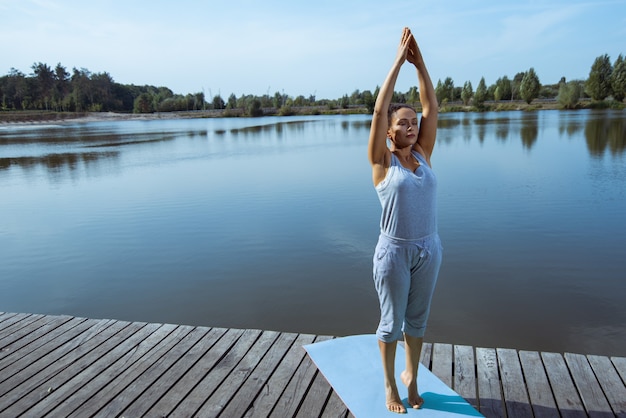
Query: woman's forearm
[[428, 98]]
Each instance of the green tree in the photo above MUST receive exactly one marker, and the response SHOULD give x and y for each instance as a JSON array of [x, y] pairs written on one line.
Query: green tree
[[517, 81], [61, 87], [278, 100], [467, 93], [598, 85], [101, 86], [344, 102], [198, 101], [569, 94], [232, 101], [530, 86], [448, 88], [503, 88], [299, 101], [143, 104], [81, 95], [481, 93], [439, 91], [254, 108], [445, 91], [15, 90], [355, 97], [369, 100], [218, 102], [44, 77], [413, 95], [618, 79]]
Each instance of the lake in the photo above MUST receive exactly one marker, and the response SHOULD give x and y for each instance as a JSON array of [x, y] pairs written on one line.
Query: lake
[[271, 223]]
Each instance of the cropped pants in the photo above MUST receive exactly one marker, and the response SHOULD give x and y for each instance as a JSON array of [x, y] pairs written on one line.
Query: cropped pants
[[405, 274]]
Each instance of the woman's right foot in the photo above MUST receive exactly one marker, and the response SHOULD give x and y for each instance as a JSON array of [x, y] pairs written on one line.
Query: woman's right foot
[[394, 403]]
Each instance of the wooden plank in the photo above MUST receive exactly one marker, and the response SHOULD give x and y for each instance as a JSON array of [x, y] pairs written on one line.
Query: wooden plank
[[222, 396], [11, 322], [282, 376], [62, 371], [71, 394], [205, 355], [565, 394], [588, 387], [195, 344], [611, 383], [513, 386], [29, 392], [18, 386], [489, 392], [465, 373], [205, 388], [9, 318], [33, 336], [335, 408], [620, 366], [6, 315], [539, 391], [426, 355], [442, 362], [64, 366], [289, 402], [246, 394], [316, 398], [141, 378], [20, 325], [21, 359], [114, 381]]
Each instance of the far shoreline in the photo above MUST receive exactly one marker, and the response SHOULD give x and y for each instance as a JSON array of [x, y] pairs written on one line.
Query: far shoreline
[[29, 117]]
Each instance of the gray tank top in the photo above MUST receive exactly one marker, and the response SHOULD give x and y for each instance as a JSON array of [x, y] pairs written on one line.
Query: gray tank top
[[409, 200]]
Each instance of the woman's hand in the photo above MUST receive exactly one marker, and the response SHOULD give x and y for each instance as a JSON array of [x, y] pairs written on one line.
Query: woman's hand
[[405, 45], [414, 55]]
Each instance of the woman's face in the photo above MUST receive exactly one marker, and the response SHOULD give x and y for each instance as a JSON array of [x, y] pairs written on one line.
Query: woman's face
[[403, 129]]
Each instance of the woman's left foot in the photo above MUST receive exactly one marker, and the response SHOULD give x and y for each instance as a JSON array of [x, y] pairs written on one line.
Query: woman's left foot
[[415, 400]]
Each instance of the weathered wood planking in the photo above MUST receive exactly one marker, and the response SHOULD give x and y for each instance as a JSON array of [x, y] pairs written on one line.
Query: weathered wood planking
[[74, 367]]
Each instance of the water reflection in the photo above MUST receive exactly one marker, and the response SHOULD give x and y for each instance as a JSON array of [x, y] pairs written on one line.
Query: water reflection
[[54, 147], [297, 125], [529, 132], [502, 129], [568, 125], [605, 132], [56, 162]]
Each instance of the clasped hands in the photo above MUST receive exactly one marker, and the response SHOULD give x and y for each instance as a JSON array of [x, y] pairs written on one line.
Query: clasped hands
[[408, 49]]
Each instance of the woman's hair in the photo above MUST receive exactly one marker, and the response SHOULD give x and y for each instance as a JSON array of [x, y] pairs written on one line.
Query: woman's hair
[[394, 107]]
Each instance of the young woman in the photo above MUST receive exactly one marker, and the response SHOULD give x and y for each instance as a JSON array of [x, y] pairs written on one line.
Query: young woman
[[408, 254]]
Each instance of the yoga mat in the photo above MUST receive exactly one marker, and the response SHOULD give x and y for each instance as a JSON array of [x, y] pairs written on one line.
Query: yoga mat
[[353, 367]]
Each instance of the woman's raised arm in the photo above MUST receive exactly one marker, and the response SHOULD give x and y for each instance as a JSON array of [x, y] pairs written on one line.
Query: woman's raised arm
[[430, 108], [377, 148]]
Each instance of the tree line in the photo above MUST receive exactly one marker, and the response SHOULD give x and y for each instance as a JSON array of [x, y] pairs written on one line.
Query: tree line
[[58, 90]]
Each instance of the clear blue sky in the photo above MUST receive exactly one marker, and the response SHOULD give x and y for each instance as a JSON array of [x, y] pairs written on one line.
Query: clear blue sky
[[324, 47]]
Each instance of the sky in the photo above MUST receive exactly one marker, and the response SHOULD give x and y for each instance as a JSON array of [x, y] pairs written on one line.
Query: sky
[[325, 48]]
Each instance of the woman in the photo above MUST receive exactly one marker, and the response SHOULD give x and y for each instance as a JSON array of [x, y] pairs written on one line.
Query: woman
[[408, 254]]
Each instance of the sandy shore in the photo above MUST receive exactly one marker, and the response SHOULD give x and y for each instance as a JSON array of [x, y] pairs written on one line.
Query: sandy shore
[[39, 118]]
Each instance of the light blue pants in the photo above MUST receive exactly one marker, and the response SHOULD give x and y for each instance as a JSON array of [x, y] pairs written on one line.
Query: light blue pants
[[405, 274]]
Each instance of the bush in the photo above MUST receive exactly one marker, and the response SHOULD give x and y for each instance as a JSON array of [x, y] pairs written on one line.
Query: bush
[[285, 111], [569, 94]]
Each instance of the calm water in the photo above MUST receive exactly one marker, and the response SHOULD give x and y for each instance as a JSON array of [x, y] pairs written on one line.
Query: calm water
[[271, 223]]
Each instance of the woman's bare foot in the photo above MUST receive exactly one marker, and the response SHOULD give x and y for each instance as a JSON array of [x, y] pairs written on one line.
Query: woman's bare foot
[[415, 400], [394, 403]]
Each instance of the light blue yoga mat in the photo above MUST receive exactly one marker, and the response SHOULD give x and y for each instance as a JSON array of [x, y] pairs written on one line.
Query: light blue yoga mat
[[353, 367]]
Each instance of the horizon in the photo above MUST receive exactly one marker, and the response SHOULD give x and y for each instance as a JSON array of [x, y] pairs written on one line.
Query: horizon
[[327, 50]]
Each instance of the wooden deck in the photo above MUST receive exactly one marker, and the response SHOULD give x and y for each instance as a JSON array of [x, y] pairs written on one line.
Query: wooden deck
[[63, 366]]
